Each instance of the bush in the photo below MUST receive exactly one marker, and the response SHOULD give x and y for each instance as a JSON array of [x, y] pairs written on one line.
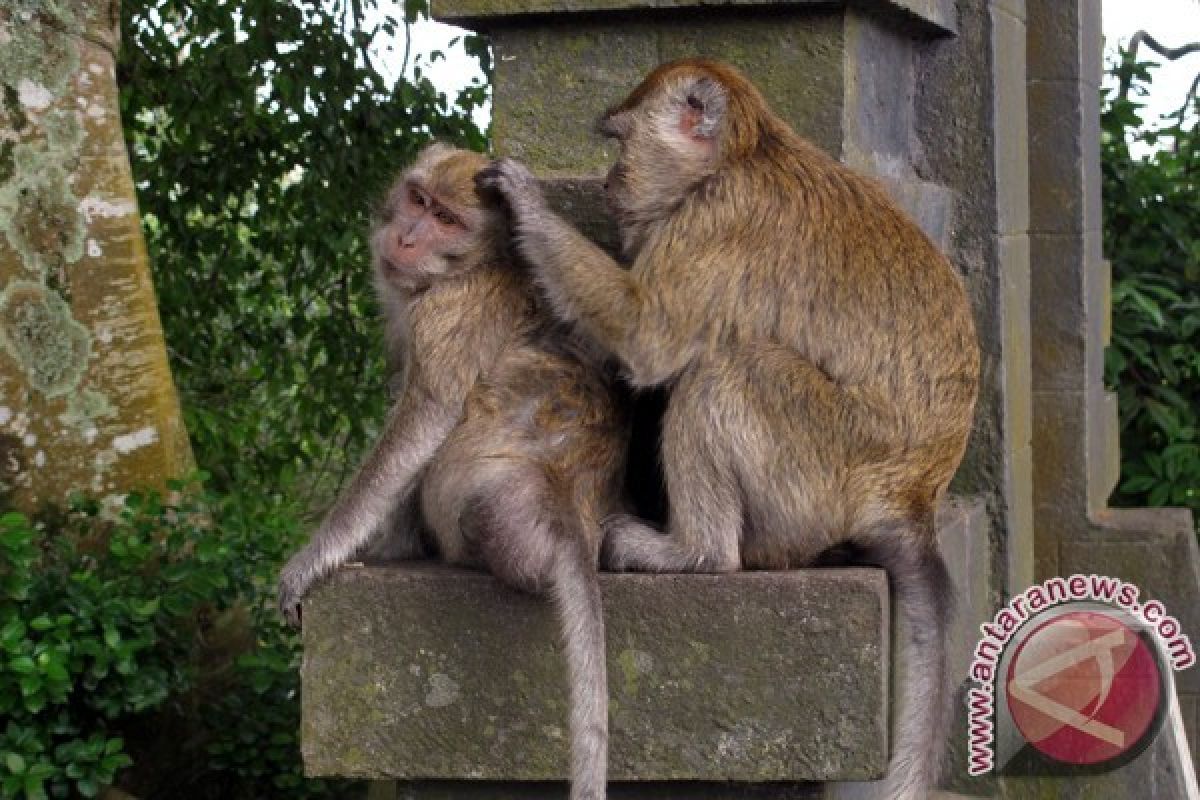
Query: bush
[[97, 619], [1152, 235], [149, 632]]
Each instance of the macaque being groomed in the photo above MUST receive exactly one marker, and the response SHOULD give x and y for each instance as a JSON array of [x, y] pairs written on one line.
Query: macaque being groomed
[[505, 445], [820, 354]]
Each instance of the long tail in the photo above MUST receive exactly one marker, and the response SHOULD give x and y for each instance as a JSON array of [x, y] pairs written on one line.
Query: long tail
[[923, 593], [577, 597]]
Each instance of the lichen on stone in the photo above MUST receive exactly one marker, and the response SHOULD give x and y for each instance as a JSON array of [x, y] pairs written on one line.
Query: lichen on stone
[[39, 333]]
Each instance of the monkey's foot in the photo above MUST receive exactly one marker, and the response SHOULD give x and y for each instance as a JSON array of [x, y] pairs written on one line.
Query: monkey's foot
[[632, 545], [628, 541]]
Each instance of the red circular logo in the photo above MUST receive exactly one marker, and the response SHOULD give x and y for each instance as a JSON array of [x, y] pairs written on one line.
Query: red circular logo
[[1083, 688]]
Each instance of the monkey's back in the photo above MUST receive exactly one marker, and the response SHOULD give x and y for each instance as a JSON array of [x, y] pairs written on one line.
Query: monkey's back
[[798, 250]]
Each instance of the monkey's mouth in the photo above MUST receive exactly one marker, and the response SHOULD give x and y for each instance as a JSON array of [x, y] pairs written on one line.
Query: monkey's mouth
[[392, 268]]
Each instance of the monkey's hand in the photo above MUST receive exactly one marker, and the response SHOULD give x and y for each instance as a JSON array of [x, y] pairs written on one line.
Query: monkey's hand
[[296, 578], [516, 184]]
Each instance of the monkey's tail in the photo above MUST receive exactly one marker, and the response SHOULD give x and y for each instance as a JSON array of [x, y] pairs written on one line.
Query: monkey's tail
[[576, 593], [924, 594]]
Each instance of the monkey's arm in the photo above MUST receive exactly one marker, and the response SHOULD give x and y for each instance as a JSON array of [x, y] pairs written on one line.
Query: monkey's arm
[[415, 429], [586, 287]]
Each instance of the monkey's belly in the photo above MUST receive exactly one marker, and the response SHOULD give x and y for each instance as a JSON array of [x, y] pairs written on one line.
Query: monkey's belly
[[519, 460]]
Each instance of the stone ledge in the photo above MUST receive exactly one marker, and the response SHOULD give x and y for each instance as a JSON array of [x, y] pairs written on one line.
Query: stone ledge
[[423, 672], [934, 16]]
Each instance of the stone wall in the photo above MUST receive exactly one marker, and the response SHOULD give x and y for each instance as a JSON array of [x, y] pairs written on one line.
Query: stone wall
[[981, 119]]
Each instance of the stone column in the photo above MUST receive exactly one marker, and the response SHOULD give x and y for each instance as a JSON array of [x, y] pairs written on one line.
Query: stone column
[[903, 90], [1076, 456], [957, 108], [86, 396]]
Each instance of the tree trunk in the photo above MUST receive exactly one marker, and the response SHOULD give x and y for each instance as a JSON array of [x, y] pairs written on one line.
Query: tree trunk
[[86, 396]]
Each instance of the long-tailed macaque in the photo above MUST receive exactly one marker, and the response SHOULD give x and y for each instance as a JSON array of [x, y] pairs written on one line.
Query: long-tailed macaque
[[820, 354], [505, 445]]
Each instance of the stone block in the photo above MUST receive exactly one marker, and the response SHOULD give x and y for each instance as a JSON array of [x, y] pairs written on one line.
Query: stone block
[[1189, 705], [1011, 116], [1104, 447], [931, 206], [928, 17], [1014, 8], [1061, 314], [1056, 154], [1012, 262], [795, 58], [962, 526], [1059, 483], [581, 201], [1053, 24], [640, 790], [424, 672], [552, 83], [1153, 548], [879, 80]]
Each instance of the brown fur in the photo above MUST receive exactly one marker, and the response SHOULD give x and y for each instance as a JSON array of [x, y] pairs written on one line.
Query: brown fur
[[505, 448], [820, 352]]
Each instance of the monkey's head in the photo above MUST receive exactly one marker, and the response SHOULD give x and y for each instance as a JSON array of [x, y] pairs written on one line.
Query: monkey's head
[[682, 124], [434, 223]]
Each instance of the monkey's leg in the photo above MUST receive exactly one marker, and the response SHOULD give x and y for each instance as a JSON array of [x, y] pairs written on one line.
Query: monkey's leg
[[399, 536], [414, 430], [533, 540], [705, 517]]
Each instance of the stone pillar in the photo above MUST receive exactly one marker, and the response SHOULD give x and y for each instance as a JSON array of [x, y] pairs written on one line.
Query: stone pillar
[[958, 107], [1075, 449], [903, 90], [86, 396]]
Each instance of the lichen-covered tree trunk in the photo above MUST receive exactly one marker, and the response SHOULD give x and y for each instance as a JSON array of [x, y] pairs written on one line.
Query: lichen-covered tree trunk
[[86, 396]]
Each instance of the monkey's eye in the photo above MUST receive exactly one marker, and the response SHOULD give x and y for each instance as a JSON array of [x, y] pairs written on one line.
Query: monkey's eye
[[445, 217], [417, 199], [694, 102]]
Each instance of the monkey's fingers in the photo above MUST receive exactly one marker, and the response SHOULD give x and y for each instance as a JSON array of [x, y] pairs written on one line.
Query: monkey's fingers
[[512, 180], [289, 607], [289, 596]]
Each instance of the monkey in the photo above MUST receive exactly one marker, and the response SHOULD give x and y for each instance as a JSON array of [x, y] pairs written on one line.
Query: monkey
[[819, 351], [505, 446]]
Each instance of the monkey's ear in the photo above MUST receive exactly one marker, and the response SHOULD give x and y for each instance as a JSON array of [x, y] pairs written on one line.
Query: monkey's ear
[[703, 108]]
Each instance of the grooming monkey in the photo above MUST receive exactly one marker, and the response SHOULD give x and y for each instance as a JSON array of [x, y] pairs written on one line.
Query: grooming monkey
[[820, 354], [505, 442]]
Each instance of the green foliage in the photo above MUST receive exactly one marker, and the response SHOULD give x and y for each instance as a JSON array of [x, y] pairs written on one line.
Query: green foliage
[[1152, 235], [98, 614], [116, 623], [261, 134]]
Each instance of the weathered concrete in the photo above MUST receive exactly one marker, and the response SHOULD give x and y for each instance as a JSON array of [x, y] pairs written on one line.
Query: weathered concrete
[[552, 790], [425, 672], [932, 16]]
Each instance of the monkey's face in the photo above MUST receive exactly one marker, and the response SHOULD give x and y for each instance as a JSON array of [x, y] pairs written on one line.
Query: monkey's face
[[433, 224], [668, 132]]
